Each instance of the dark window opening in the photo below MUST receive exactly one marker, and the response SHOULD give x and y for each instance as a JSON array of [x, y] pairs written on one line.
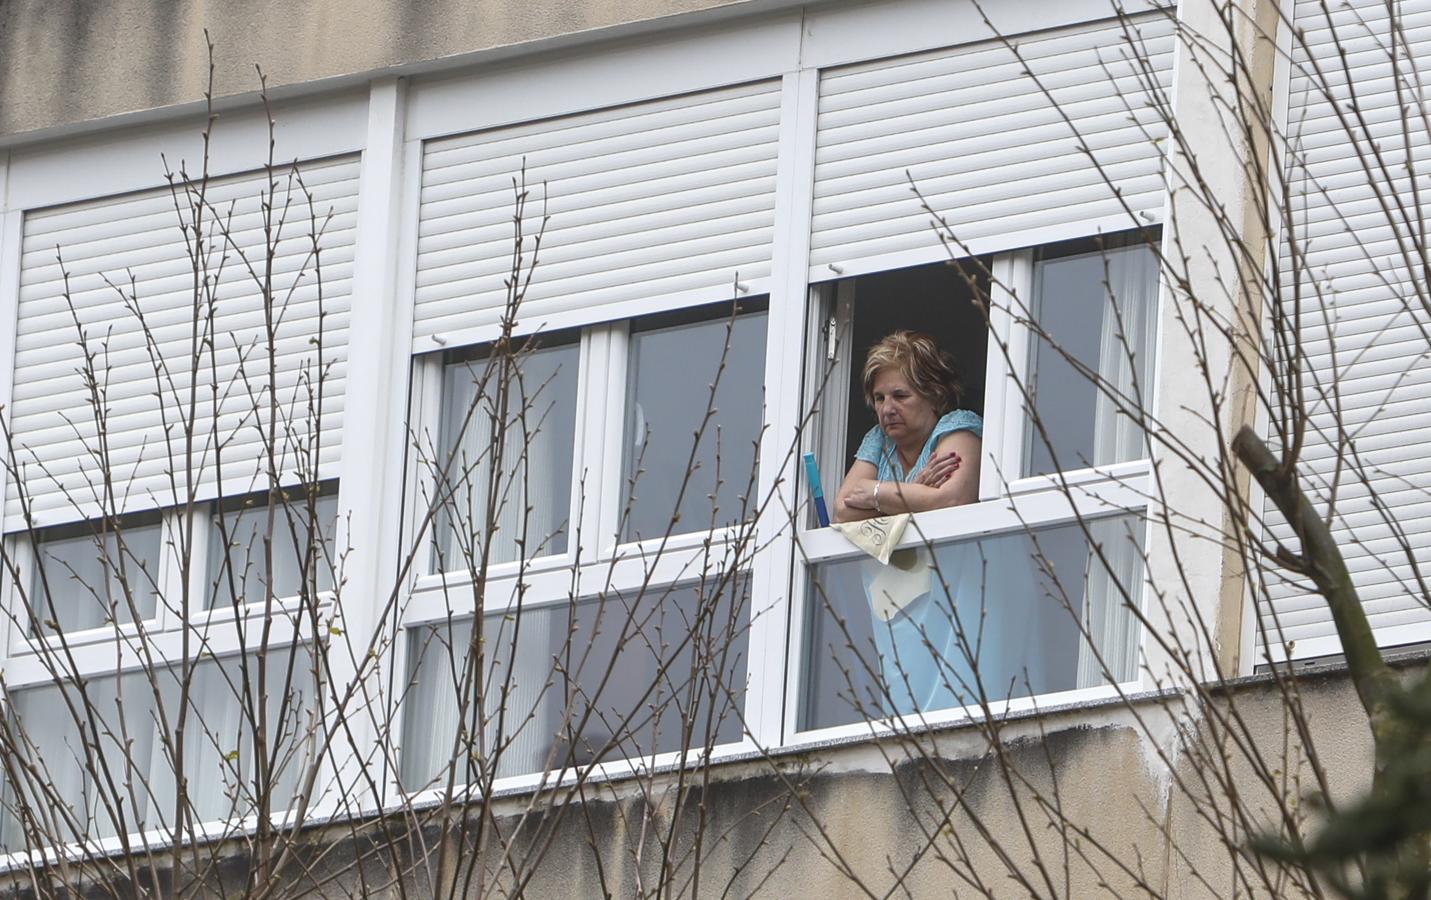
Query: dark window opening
[[939, 300]]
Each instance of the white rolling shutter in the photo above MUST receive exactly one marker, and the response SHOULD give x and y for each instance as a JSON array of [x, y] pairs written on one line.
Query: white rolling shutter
[[127, 258], [658, 203], [986, 146], [1365, 331]]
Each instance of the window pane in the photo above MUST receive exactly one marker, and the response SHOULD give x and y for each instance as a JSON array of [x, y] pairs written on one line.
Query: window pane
[[245, 571], [994, 618], [100, 752], [83, 580], [61, 738], [220, 734], [630, 675], [668, 389], [533, 492], [1098, 309]]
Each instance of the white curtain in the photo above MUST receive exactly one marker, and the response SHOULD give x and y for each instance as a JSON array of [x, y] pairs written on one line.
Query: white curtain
[[533, 490], [430, 708], [246, 529], [212, 743], [218, 742], [86, 774], [526, 730], [82, 574], [1107, 619], [433, 708], [1125, 344]]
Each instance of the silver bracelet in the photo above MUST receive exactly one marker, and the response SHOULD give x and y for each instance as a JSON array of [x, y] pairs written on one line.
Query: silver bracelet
[[876, 498]]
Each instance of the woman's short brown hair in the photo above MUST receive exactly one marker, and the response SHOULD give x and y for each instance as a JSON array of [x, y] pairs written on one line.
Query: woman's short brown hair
[[929, 370]]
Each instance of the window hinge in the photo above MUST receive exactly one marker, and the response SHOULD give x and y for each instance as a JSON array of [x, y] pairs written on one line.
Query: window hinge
[[830, 329]]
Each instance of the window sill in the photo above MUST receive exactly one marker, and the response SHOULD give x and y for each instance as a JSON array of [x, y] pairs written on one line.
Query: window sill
[[1097, 495]]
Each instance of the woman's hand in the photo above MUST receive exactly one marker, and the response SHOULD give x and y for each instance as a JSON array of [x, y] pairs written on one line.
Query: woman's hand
[[860, 494], [855, 498], [939, 469]]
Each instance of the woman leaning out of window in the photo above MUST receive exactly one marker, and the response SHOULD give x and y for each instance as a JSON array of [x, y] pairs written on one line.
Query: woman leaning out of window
[[924, 451]]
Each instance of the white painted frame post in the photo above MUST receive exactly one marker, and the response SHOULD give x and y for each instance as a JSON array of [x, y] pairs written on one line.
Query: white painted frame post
[[1003, 444], [374, 442], [11, 233], [781, 469]]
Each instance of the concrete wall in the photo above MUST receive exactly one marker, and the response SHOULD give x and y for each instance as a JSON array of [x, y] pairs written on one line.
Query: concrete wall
[[1138, 787], [856, 816], [871, 818], [69, 61]]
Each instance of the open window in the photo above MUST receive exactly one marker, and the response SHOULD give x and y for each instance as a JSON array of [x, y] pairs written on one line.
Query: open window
[[940, 300], [1030, 591]]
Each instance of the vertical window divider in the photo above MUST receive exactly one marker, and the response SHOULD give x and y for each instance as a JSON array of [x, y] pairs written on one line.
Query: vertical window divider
[[11, 221], [374, 438], [589, 448], [1004, 413], [772, 585], [609, 433]]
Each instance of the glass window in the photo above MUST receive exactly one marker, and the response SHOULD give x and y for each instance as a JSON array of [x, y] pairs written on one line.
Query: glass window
[[602, 679], [243, 560], [530, 500], [62, 748], [993, 618], [684, 472], [93, 763], [221, 734], [89, 574], [1095, 311]]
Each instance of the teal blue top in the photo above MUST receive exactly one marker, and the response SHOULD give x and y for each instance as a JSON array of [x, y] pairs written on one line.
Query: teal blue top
[[879, 450]]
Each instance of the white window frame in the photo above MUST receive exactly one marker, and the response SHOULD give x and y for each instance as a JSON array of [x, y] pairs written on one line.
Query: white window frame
[[795, 49], [1006, 505], [71, 171], [603, 563]]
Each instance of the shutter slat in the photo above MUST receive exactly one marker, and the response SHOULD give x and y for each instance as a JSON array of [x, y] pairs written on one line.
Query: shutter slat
[[170, 300], [644, 237], [983, 143], [664, 198], [1364, 330], [155, 259], [326, 179], [292, 345], [139, 235]]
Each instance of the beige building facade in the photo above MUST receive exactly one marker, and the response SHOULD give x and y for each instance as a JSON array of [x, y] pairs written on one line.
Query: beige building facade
[[1213, 206]]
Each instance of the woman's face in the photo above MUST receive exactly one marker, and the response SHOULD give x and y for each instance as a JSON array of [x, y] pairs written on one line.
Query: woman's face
[[904, 414]]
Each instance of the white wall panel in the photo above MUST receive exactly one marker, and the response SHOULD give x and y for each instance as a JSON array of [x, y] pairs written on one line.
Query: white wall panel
[[1364, 327], [984, 144], [656, 203], [114, 278]]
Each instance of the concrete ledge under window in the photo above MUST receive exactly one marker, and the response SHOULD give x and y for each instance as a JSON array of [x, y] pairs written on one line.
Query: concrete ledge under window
[[805, 820]]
